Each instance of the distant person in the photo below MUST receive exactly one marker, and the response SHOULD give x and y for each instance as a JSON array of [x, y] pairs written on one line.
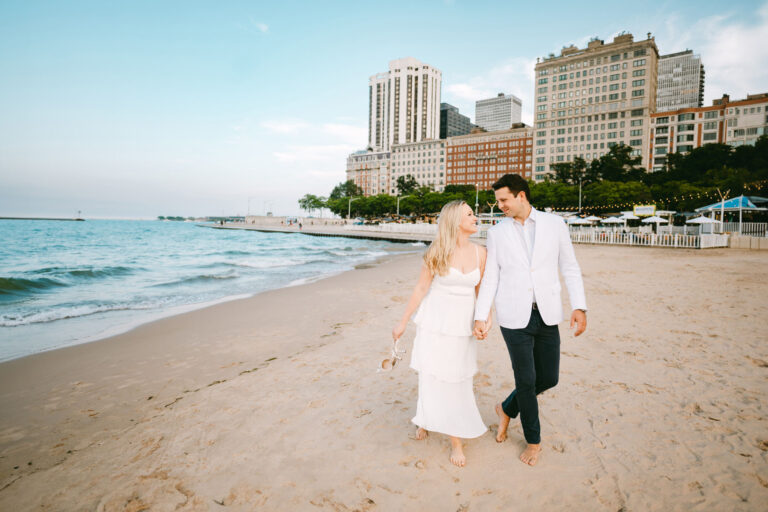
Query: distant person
[[525, 252], [299, 225], [444, 352]]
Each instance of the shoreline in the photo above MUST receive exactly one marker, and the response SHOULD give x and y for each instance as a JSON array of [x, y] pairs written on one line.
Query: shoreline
[[150, 316], [245, 404]]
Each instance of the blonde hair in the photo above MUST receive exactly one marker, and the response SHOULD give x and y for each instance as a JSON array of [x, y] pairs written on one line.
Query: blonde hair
[[437, 258]]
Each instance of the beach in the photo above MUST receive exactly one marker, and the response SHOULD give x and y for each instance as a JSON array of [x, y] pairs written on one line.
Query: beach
[[274, 403]]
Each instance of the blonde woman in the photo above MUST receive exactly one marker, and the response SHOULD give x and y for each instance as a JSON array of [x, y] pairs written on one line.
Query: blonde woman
[[444, 352]]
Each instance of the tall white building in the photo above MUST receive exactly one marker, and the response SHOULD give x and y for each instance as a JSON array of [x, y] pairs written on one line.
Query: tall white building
[[681, 82], [591, 99], [499, 113], [425, 161], [403, 104]]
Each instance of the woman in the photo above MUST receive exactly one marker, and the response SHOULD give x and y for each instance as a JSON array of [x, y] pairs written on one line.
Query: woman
[[444, 352]]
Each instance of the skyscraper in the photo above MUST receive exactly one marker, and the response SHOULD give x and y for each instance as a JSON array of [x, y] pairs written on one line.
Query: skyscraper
[[681, 82], [499, 113], [403, 104], [591, 99], [453, 123]]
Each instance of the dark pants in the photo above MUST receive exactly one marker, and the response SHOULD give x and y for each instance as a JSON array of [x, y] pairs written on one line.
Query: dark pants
[[535, 355]]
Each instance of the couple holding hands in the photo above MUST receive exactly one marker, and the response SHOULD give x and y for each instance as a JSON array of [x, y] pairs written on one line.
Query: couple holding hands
[[458, 284]]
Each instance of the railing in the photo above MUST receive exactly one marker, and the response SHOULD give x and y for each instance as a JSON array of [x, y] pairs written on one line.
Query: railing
[[747, 228], [412, 229], [649, 239]]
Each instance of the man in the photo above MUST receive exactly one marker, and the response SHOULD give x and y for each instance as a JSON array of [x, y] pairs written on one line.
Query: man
[[525, 251]]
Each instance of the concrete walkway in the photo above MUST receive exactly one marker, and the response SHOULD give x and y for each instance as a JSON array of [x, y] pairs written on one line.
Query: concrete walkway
[[329, 231]]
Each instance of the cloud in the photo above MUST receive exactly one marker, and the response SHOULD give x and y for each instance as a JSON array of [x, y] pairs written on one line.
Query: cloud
[[348, 133], [285, 126], [261, 27], [512, 76], [336, 153], [734, 59]]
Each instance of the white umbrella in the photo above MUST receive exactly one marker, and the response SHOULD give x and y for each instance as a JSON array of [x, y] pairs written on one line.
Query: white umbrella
[[629, 216], [702, 220], [578, 220], [592, 218], [656, 219], [612, 220]]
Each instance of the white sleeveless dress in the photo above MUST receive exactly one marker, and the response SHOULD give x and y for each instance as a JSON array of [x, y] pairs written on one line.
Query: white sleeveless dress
[[445, 355]]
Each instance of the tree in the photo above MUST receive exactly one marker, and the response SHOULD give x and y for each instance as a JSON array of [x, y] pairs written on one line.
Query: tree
[[311, 202], [345, 189], [406, 184]]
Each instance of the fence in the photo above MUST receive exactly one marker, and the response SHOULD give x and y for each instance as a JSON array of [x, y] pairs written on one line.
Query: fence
[[747, 228], [649, 239]]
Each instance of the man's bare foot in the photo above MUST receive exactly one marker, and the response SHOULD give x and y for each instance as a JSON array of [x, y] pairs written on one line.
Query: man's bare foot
[[501, 434], [421, 434], [531, 454], [457, 453]]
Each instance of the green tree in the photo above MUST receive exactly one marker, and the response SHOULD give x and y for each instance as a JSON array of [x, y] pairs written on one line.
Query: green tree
[[406, 184], [311, 202], [345, 189]]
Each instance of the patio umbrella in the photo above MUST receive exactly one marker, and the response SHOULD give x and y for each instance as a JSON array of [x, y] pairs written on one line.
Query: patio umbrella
[[655, 219], [578, 220], [629, 216], [592, 218], [702, 220], [612, 220]]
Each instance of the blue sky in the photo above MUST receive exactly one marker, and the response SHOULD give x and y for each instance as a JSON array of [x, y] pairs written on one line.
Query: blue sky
[[138, 109]]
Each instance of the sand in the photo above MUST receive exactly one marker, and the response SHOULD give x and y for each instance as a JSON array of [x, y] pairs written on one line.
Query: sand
[[273, 403]]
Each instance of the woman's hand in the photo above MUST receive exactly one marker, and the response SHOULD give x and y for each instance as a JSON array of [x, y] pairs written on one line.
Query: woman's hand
[[398, 331], [489, 322]]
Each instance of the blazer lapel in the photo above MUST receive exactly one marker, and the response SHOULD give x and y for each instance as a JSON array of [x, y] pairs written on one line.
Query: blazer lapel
[[537, 238]]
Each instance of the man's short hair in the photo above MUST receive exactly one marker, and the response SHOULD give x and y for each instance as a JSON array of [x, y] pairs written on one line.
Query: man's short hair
[[515, 183]]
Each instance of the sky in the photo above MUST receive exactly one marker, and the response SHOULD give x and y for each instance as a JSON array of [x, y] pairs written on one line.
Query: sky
[[134, 109]]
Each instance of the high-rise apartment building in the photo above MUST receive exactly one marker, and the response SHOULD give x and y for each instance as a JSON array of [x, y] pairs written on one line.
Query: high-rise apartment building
[[681, 82], [499, 113], [424, 161], [590, 99], [453, 123], [724, 122], [481, 158], [403, 104], [370, 171]]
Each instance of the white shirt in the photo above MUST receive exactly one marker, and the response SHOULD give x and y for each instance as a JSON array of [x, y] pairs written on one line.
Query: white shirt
[[526, 231]]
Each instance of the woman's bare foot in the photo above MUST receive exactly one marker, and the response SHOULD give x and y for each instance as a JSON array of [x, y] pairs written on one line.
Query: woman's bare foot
[[421, 434], [457, 453], [501, 434], [531, 454]]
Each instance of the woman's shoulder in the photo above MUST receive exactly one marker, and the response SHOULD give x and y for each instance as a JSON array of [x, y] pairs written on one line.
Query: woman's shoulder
[[480, 248]]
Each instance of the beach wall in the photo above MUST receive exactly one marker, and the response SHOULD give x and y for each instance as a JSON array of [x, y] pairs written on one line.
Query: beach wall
[[749, 242]]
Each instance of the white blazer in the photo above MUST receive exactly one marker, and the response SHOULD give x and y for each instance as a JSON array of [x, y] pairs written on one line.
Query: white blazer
[[511, 279]]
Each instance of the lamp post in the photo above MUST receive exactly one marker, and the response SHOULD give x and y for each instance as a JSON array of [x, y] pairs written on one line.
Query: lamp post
[[477, 193], [398, 203], [579, 194], [349, 206]]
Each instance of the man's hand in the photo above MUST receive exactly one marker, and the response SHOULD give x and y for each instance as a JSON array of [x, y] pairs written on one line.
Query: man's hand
[[481, 330], [579, 318]]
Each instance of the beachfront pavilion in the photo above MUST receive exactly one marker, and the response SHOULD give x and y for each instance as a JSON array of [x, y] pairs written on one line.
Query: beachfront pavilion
[[739, 204]]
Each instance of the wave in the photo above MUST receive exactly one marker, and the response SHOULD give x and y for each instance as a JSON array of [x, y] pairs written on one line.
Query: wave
[[198, 279], [64, 313], [22, 286], [85, 272]]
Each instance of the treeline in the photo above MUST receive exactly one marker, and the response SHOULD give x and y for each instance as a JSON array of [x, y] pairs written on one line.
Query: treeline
[[609, 184]]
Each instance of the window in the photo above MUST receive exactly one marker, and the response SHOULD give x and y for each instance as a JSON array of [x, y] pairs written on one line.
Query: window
[[637, 63], [710, 136], [662, 140], [685, 127], [685, 149], [662, 120], [685, 138], [660, 151], [712, 125], [710, 114], [543, 81], [690, 116], [636, 122], [662, 129], [635, 133], [638, 92], [640, 52], [638, 72], [638, 83], [636, 142]]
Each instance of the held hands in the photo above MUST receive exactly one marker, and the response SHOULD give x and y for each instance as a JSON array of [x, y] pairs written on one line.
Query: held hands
[[481, 328], [579, 318]]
